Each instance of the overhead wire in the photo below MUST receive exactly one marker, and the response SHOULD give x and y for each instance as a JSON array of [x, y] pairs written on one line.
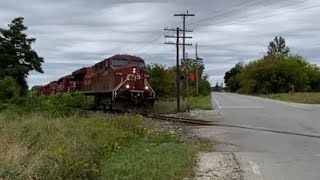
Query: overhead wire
[[155, 39], [266, 9], [265, 17], [144, 46], [224, 11]]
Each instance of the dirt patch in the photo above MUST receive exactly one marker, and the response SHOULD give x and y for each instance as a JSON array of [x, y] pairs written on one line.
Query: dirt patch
[[212, 115], [217, 165], [220, 164]]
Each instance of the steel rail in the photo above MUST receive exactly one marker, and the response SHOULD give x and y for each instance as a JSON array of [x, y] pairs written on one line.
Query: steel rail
[[182, 120]]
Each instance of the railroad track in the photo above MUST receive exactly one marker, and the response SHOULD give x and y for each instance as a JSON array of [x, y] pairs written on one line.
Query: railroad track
[[171, 118], [182, 120], [220, 124]]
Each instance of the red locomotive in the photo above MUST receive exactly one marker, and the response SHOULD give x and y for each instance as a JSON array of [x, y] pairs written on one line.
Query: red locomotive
[[119, 82]]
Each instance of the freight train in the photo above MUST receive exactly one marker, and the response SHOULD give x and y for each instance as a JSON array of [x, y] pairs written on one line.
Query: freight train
[[117, 83]]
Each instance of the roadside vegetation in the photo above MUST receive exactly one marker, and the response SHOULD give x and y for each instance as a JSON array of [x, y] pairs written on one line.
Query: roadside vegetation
[[170, 105], [163, 82], [92, 146], [306, 98], [53, 137], [279, 71]]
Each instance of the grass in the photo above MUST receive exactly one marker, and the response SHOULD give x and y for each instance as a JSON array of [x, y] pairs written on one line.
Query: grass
[[307, 98], [170, 106], [93, 146]]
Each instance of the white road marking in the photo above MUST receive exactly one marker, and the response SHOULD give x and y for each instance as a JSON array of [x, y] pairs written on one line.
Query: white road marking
[[217, 102], [241, 107], [255, 168]]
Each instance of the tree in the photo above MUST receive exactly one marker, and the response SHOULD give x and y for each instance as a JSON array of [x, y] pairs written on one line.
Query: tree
[[275, 74], [17, 58], [231, 79], [314, 78], [278, 46], [162, 80], [278, 72]]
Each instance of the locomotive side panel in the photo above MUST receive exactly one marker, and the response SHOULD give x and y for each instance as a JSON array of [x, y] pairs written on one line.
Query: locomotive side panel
[[102, 78]]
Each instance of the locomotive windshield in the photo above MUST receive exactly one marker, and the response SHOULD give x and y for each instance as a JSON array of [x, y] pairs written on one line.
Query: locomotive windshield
[[119, 63], [137, 63]]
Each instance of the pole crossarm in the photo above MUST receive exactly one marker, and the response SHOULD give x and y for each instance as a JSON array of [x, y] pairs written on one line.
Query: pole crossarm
[[180, 44], [181, 30], [182, 14], [170, 36]]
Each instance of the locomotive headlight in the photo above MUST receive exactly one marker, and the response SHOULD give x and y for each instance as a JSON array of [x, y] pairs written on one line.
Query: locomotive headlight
[[127, 86], [134, 70], [147, 87]]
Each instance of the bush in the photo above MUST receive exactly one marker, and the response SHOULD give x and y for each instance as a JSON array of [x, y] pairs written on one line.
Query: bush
[[63, 104], [58, 105], [276, 74], [9, 90]]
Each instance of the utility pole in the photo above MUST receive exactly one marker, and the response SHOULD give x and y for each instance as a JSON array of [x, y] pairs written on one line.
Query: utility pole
[[177, 43], [184, 15], [197, 81]]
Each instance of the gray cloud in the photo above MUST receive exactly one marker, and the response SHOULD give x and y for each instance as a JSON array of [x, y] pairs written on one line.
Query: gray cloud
[[76, 33]]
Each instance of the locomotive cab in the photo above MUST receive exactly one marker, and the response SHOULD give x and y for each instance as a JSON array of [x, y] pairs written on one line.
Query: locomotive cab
[[132, 87]]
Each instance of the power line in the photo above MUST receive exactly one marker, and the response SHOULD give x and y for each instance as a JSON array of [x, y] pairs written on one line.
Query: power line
[[222, 10], [266, 9], [148, 43], [196, 22], [248, 20], [155, 39], [265, 17]]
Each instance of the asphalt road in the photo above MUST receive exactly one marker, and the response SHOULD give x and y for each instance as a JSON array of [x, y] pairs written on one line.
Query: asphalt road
[[268, 155]]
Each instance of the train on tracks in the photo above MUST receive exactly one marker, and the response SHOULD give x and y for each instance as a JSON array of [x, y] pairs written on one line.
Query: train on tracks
[[117, 83]]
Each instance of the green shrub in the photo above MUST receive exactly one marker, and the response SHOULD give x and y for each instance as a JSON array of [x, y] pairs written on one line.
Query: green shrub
[[59, 105], [9, 90]]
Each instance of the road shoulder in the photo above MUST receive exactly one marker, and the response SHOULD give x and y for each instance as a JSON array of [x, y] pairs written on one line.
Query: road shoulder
[[220, 163]]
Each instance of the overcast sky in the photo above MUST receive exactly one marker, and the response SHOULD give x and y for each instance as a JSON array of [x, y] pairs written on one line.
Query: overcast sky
[[76, 33]]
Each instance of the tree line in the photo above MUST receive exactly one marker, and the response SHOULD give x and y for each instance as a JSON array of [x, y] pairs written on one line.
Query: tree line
[[279, 71]]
